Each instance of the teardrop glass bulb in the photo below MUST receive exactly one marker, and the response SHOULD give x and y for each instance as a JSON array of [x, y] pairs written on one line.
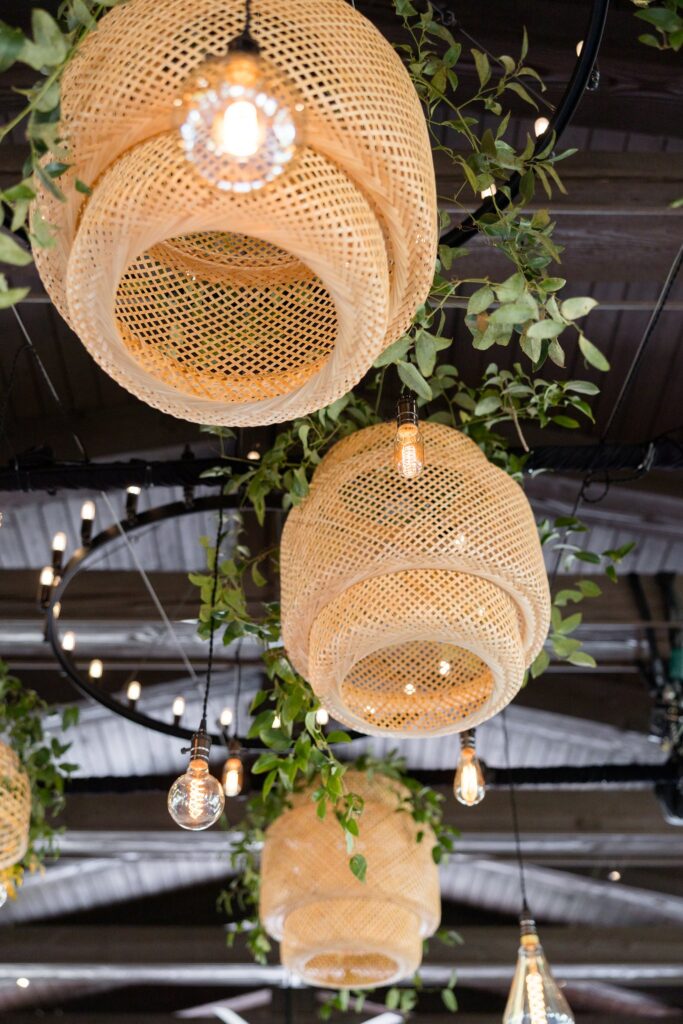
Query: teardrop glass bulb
[[535, 996]]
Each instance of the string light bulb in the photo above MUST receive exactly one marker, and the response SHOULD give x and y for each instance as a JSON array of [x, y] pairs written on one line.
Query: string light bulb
[[469, 786], [133, 692], [87, 517], [69, 641], [322, 717], [541, 125], [225, 721], [488, 193], [196, 799], [132, 494], [232, 777], [178, 709], [535, 996], [409, 449], [241, 122], [58, 549], [46, 581], [96, 669]]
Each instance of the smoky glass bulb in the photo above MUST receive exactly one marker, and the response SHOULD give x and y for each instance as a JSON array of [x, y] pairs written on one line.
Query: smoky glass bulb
[[535, 997], [409, 451], [241, 122], [196, 799], [469, 786]]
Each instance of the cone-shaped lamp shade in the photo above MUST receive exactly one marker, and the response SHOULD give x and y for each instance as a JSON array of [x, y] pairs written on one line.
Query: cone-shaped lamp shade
[[535, 997]]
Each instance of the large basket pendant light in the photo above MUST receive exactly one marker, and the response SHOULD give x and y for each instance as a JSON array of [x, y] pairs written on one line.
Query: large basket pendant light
[[228, 306], [334, 930], [15, 808], [413, 606]]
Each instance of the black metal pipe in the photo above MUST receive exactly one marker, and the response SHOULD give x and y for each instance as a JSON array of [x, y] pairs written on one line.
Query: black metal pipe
[[576, 87], [557, 777], [664, 453]]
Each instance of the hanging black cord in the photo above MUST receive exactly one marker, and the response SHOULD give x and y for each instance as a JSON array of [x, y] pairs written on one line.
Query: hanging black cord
[[238, 690], [662, 298], [245, 41], [515, 819], [212, 621]]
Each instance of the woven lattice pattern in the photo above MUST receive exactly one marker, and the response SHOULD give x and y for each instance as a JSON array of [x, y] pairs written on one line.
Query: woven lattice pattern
[[184, 325], [413, 606], [15, 808], [335, 931]]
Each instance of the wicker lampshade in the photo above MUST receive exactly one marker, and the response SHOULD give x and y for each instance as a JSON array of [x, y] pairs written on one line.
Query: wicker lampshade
[[413, 606], [228, 308], [15, 808], [335, 931]]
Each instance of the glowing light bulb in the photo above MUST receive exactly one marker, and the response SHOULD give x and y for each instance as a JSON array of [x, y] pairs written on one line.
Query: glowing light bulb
[[178, 708], [59, 541], [468, 785], [96, 669], [241, 122], [614, 876], [444, 667], [47, 576], [232, 777], [487, 193], [409, 451], [579, 47], [226, 718], [276, 722], [409, 689], [535, 997], [88, 511], [23, 982], [322, 716], [69, 641], [57, 610], [133, 691], [196, 799], [253, 455], [541, 125]]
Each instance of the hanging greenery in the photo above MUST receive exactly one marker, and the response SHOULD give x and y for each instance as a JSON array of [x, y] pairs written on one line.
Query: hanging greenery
[[22, 728], [666, 17]]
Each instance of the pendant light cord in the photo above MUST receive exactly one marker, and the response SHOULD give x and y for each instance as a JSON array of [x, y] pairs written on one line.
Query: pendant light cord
[[212, 620], [515, 819], [247, 18]]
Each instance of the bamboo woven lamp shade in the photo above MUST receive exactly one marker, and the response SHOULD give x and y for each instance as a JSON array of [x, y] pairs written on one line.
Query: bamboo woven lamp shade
[[413, 606], [227, 308], [335, 931], [15, 808]]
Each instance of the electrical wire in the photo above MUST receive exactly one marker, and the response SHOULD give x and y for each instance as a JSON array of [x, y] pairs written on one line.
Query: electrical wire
[[150, 589], [238, 688], [212, 617], [515, 818]]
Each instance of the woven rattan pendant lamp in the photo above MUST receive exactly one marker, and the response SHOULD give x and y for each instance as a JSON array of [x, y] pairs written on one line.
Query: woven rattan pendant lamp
[[15, 808], [413, 606], [232, 308], [335, 931]]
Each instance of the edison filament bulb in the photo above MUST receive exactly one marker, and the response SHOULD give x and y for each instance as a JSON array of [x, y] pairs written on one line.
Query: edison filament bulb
[[196, 799], [409, 449], [469, 786], [233, 771], [241, 121], [535, 997]]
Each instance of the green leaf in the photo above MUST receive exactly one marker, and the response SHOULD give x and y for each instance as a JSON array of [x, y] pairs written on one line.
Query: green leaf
[[545, 329], [581, 658], [487, 405], [449, 1000], [592, 354], [482, 65], [49, 46], [413, 379], [516, 312], [10, 296], [511, 289], [425, 353], [573, 309], [540, 664], [566, 421], [396, 351], [589, 588], [521, 91], [13, 253], [480, 300], [11, 43], [359, 866]]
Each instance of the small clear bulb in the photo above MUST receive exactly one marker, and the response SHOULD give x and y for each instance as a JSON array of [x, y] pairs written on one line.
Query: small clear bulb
[[469, 786], [535, 997], [541, 125], [196, 799], [241, 121], [409, 449], [233, 771]]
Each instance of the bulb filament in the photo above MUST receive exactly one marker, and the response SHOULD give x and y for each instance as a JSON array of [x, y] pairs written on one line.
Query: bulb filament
[[534, 991]]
